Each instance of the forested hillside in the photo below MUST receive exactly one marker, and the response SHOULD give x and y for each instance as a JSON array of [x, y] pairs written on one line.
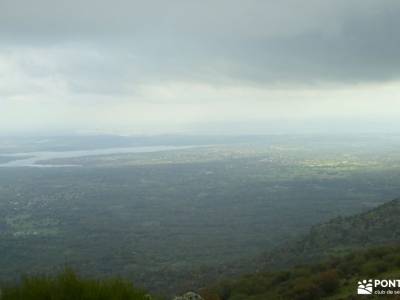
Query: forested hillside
[[337, 278], [376, 227], [328, 262]]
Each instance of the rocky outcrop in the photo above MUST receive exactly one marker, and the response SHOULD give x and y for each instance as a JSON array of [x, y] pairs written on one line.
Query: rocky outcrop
[[189, 296]]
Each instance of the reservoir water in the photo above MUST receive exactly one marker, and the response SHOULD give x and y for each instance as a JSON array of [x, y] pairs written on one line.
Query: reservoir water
[[34, 159]]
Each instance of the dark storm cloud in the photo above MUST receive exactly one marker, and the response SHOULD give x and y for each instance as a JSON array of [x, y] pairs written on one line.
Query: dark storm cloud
[[215, 41]]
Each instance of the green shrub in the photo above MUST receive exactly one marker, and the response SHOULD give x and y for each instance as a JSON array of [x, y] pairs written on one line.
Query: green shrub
[[328, 281], [68, 286], [373, 268], [305, 289]]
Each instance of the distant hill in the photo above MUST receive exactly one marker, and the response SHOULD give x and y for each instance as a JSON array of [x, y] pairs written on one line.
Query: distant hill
[[377, 227]]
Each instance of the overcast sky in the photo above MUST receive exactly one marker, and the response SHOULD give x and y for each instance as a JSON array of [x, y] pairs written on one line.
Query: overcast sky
[[147, 67]]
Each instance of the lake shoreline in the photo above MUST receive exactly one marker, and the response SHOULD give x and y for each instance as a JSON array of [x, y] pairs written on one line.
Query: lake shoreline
[[36, 159]]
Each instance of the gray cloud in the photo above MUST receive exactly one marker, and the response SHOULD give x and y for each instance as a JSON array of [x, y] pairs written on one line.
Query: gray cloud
[[260, 41], [149, 66]]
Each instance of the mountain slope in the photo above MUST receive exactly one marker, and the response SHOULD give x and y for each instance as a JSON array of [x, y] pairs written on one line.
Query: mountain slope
[[328, 262], [379, 226], [335, 279]]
